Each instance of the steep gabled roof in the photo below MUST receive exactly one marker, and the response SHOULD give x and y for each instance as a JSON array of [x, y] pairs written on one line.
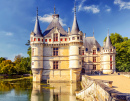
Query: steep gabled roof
[[55, 23], [89, 42]]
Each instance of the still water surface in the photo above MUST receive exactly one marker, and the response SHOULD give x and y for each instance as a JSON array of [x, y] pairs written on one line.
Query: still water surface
[[25, 90]]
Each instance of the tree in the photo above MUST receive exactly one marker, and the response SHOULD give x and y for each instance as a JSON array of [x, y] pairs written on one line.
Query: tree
[[2, 59], [7, 67]]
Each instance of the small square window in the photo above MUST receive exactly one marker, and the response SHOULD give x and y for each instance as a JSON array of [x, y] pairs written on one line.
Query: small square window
[[77, 38], [38, 39], [61, 39], [49, 40], [65, 39], [45, 40], [73, 38], [34, 39]]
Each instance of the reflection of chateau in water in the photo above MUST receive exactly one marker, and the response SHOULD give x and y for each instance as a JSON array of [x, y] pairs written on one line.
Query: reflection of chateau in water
[[61, 92]]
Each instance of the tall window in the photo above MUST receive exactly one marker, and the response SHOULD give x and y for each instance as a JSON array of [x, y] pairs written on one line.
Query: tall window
[[94, 67], [55, 51], [110, 65], [79, 51], [80, 37], [110, 57], [82, 52], [55, 37], [55, 64], [111, 50], [94, 59], [32, 52], [82, 59], [94, 51]]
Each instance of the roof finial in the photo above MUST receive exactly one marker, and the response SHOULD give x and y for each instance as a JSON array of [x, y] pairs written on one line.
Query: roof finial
[[93, 32], [75, 8], [37, 11], [54, 9]]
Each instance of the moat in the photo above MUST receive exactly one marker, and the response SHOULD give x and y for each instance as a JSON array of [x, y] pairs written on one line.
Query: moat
[[26, 90]]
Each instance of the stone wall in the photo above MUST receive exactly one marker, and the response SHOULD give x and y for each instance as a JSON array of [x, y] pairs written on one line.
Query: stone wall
[[100, 90], [126, 74]]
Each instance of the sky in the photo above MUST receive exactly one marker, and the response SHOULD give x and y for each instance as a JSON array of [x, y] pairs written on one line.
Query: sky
[[17, 20]]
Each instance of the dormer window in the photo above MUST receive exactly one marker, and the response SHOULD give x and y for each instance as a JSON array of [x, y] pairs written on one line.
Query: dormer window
[[42, 40], [94, 52], [111, 50], [55, 37]]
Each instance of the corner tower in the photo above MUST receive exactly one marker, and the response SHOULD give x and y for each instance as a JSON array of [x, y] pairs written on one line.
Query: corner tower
[[36, 43], [108, 57], [75, 43]]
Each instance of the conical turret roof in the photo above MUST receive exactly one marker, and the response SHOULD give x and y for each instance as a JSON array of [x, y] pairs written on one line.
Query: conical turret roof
[[75, 27], [108, 42], [37, 30]]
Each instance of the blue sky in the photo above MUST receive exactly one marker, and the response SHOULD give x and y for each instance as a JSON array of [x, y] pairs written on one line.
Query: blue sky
[[17, 19]]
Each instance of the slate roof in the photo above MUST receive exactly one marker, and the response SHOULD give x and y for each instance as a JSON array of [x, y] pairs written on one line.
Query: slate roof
[[75, 27], [37, 30], [88, 42], [54, 23], [108, 42]]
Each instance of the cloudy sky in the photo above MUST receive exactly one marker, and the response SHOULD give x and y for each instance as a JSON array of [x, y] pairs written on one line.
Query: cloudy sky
[[17, 19]]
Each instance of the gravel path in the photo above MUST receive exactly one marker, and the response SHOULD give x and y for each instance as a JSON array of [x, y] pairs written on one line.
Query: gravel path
[[120, 83]]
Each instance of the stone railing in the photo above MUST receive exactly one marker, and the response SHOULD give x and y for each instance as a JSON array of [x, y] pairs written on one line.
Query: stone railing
[[126, 74], [99, 90]]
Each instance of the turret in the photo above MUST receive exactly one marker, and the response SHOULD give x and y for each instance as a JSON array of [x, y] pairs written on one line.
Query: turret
[[108, 57], [36, 43], [75, 43]]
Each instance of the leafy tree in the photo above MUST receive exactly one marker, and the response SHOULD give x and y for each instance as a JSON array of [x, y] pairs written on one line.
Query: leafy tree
[[2, 59], [7, 67]]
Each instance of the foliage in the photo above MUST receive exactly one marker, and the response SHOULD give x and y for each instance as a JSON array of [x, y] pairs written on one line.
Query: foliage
[[21, 65], [122, 45]]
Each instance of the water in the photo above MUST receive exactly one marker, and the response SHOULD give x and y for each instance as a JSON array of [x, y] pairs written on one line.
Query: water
[[25, 90]]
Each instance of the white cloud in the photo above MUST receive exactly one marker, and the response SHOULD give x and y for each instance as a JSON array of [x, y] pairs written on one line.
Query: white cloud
[[48, 18], [108, 9], [6, 33], [122, 4], [93, 8]]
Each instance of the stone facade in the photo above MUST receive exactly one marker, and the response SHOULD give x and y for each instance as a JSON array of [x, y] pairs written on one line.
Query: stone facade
[[60, 56]]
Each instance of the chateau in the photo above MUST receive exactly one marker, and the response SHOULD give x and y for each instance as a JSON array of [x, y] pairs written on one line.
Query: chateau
[[61, 56]]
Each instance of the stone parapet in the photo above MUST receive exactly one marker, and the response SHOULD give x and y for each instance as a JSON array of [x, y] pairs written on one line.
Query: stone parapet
[[126, 74], [100, 90]]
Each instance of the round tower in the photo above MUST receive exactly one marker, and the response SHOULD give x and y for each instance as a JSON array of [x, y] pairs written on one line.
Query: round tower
[[36, 43], [75, 43], [108, 57]]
